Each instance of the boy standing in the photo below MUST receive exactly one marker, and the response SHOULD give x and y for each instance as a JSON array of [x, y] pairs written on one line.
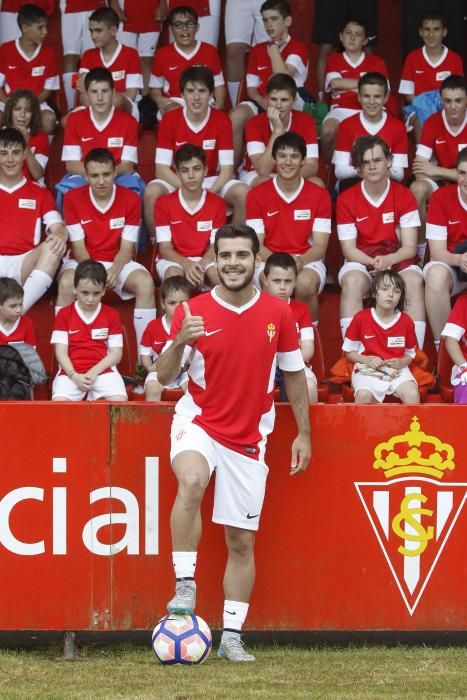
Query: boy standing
[[103, 220], [122, 61], [280, 277], [293, 215], [88, 342], [187, 221], [14, 327], [27, 63], [173, 291], [343, 71]]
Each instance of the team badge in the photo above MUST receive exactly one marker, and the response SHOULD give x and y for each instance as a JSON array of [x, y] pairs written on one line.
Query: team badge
[[271, 331], [412, 512]]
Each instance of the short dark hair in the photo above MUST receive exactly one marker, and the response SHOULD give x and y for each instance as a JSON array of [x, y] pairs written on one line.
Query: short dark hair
[[11, 137], [432, 16], [283, 260], [396, 279], [14, 98], [187, 152], [105, 15], [99, 155], [365, 143], [90, 270], [462, 156], [282, 6], [98, 75], [373, 78], [453, 82], [184, 10], [237, 231], [30, 14], [281, 81], [359, 21], [290, 140], [177, 283], [10, 289], [197, 74]]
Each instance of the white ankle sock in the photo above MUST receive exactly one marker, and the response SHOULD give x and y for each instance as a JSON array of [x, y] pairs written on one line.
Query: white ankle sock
[[235, 613], [184, 564], [35, 287], [141, 318]]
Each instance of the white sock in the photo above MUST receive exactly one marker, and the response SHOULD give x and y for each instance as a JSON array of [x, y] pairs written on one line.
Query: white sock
[[184, 564], [70, 92], [35, 287], [420, 329], [235, 613], [141, 318], [345, 323], [233, 88], [57, 309], [421, 250]]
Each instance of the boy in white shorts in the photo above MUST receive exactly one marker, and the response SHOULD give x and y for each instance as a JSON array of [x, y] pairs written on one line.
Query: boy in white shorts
[[381, 343], [280, 277], [88, 342], [173, 292]]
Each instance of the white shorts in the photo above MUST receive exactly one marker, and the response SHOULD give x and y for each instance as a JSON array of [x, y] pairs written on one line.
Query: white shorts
[[317, 266], [163, 265], [309, 374], [247, 176], [76, 37], [457, 285], [9, 30], [127, 269], [378, 387], [349, 266], [10, 266], [108, 384], [207, 183], [339, 113], [243, 22], [240, 480], [179, 383], [145, 43]]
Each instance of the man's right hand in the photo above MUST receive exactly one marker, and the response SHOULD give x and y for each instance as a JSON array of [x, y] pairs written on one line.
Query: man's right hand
[[192, 327], [194, 273]]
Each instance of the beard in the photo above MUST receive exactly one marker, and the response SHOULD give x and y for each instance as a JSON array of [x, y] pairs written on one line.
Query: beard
[[237, 285]]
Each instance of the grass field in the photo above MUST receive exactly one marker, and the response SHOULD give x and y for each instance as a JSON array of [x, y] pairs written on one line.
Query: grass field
[[280, 672]]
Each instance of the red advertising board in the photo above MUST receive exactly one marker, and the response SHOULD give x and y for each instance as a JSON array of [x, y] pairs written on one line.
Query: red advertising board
[[371, 537]]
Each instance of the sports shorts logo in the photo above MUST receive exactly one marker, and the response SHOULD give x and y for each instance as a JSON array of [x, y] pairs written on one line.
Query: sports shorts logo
[[251, 517], [412, 512]]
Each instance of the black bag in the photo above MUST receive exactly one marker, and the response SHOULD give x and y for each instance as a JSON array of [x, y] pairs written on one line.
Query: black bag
[[15, 378], [460, 248]]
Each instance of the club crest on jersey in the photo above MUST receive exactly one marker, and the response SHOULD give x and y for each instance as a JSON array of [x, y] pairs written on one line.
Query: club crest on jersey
[[271, 331], [411, 511]]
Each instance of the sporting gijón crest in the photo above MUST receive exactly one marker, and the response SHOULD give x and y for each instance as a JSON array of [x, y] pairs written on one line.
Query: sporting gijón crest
[[412, 512]]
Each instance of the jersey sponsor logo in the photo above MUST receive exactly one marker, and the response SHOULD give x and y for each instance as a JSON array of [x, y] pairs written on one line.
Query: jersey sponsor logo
[[419, 72], [86, 221], [99, 333], [367, 337], [272, 213], [180, 143], [204, 225], [344, 70], [411, 511], [73, 332], [361, 218], [453, 223], [172, 223], [11, 67], [86, 138], [173, 67], [119, 222], [271, 331], [396, 341], [115, 142], [37, 70], [218, 330], [118, 74], [388, 217], [263, 67], [443, 74], [27, 203], [302, 214], [439, 141], [209, 144]]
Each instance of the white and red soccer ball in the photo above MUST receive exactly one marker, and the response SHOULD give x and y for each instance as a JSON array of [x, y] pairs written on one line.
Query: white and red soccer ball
[[181, 639]]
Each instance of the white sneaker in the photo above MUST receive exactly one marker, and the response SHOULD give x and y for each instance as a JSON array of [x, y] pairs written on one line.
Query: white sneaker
[[232, 649], [184, 600]]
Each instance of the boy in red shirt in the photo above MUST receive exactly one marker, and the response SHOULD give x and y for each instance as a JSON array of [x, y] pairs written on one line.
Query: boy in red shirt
[[88, 342], [28, 63], [14, 327]]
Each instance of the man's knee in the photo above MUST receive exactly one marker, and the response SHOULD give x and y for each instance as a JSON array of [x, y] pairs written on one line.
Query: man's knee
[[240, 542]]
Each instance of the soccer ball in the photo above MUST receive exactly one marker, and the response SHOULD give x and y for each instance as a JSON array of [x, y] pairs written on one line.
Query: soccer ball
[[181, 639]]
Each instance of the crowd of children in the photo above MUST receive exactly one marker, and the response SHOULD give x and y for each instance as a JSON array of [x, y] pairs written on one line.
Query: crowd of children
[[401, 220]]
